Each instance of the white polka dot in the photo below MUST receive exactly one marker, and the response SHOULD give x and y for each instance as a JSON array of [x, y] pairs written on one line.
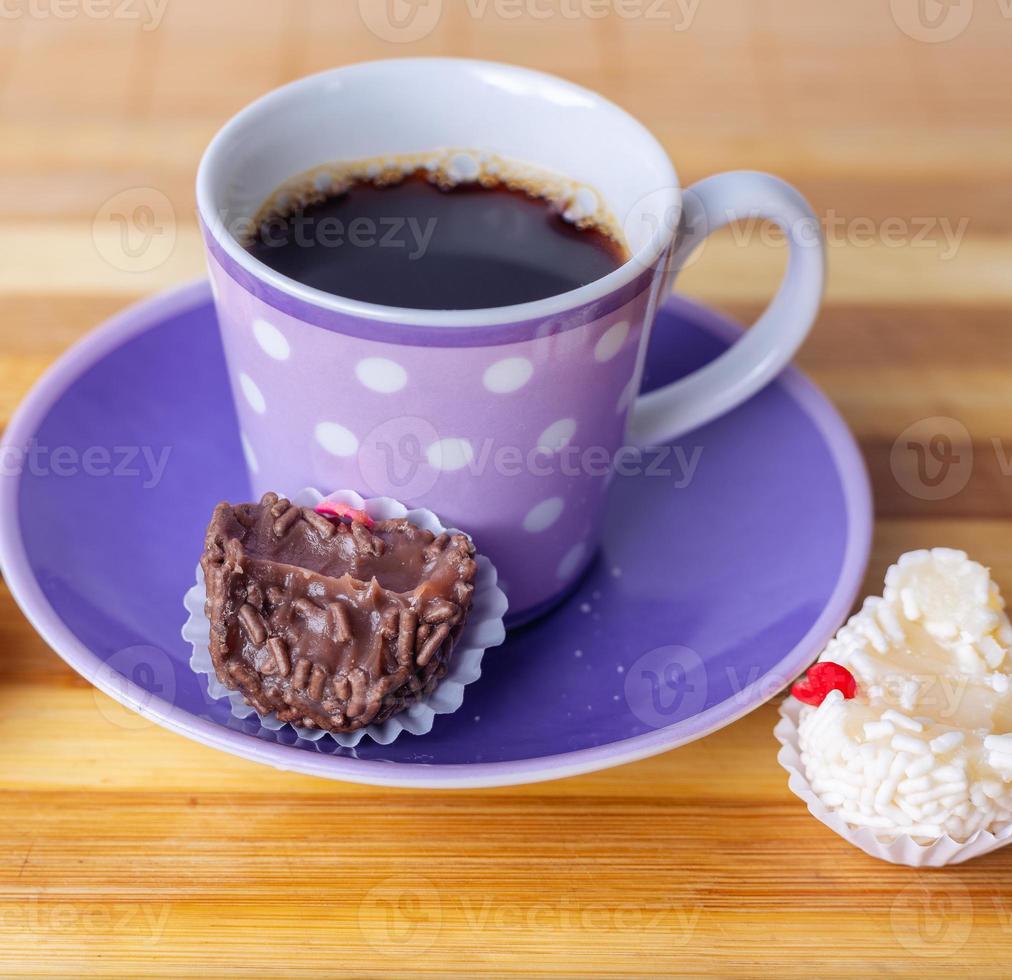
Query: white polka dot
[[272, 340], [336, 439], [611, 341], [247, 451], [450, 454], [542, 516], [253, 394], [509, 374], [381, 374], [557, 435], [572, 560]]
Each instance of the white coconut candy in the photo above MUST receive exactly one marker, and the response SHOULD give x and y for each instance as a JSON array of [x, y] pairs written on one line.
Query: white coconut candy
[[924, 749]]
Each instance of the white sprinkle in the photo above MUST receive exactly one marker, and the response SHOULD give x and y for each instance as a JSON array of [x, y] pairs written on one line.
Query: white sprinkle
[[890, 623], [877, 638], [902, 721], [999, 760], [894, 813], [942, 629], [949, 774], [993, 652], [999, 743], [877, 729], [920, 766], [863, 664], [947, 742], [907, 743], [936, 794], [861, 820], [908, 695], [910, 607], [966, 657], [928, 830], [887, 789], [913, 812], [837, 786]]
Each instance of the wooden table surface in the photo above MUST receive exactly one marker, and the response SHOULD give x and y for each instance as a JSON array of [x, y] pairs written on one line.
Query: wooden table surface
[[129, 850]]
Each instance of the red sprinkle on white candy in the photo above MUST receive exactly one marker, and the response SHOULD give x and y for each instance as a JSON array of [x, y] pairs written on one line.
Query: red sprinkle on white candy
[[330, 508], [821, 679]]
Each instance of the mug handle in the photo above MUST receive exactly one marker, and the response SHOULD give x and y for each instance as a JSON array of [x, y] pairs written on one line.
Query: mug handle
[[765, 349]]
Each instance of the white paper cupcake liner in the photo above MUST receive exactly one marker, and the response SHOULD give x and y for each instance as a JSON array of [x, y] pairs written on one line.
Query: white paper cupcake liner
[[899, 849], [483, 629]]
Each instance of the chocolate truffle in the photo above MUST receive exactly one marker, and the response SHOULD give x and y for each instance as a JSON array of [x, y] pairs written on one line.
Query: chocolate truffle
[[331, 625]]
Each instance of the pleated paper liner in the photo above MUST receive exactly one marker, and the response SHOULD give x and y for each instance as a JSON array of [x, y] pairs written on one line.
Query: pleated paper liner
[[896, 849]]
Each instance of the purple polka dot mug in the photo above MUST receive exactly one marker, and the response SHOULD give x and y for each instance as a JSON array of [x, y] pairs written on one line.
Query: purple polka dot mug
[[507, 422]]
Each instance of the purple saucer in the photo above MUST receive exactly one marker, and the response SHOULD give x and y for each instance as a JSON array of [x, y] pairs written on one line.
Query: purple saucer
[[711, 592]]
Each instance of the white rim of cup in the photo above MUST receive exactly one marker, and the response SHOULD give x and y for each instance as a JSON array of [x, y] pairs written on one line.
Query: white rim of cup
[[668, 197]]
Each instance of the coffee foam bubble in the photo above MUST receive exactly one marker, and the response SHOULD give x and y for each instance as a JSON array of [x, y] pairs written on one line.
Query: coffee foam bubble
[[577, 203]]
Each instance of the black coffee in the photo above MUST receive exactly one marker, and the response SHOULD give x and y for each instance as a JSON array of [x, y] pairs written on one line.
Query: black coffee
[[415, 244]]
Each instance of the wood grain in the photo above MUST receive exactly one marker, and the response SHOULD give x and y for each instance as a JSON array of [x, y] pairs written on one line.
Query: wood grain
[[134, 852]]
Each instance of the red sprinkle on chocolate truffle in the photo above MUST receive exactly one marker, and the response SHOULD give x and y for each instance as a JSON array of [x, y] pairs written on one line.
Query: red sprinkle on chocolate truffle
[[330, 508], [821, 679]]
